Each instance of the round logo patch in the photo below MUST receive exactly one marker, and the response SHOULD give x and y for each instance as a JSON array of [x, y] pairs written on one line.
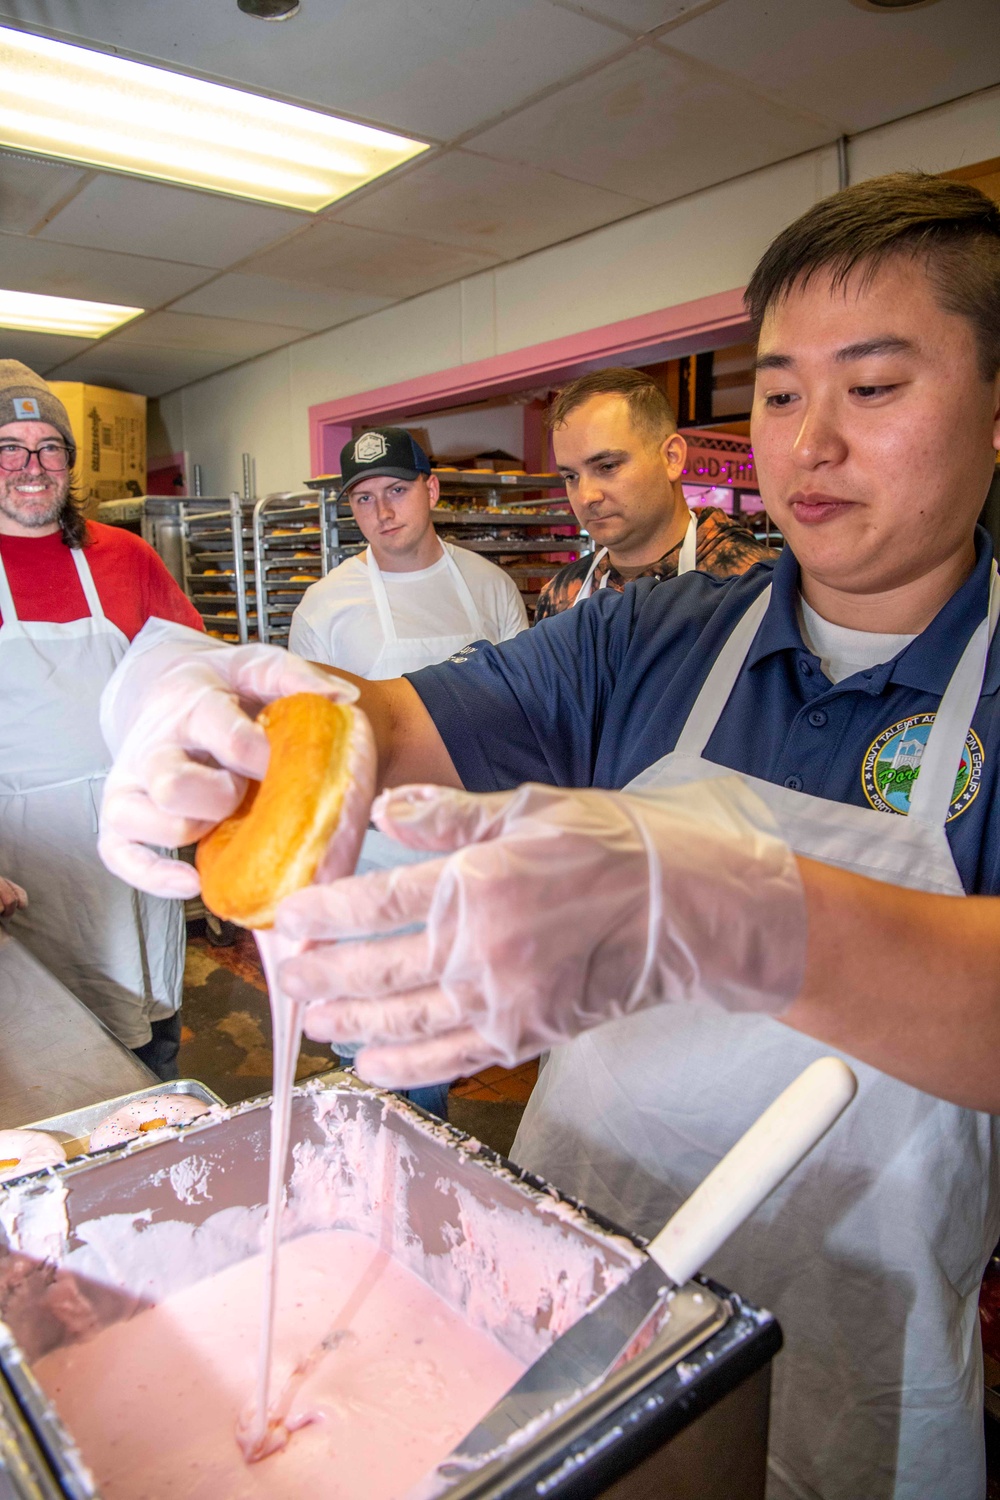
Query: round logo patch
[[892, 765]]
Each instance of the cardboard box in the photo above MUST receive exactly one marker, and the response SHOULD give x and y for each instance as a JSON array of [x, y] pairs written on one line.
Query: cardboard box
[[110, 432]]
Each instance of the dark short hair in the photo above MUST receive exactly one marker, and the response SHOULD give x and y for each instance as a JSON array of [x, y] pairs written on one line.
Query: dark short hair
[[647, 403], [951, 226]]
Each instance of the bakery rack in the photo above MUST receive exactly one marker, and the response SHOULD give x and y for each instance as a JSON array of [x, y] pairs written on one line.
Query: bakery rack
[[291, 550], [207, 544]]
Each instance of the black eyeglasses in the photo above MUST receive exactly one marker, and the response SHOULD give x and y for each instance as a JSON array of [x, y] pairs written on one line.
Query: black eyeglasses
[[54, 457]]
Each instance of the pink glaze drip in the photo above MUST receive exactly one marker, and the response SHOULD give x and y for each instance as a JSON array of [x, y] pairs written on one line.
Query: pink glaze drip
[[263, 1431], [380, 1375]]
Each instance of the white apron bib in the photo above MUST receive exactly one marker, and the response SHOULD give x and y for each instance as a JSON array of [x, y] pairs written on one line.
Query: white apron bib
[[872, 1253], [411, 653], [117, 950], [686, 563]]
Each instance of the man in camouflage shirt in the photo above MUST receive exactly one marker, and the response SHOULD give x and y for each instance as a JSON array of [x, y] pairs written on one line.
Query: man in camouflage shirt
[[617, 446]]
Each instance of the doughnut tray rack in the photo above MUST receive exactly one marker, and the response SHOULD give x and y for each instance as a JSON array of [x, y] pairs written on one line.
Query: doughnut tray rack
[[291, 550], [217, 565]]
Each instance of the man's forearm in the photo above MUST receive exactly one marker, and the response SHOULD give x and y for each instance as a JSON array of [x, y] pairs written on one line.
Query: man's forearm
[[408, 743], [904, 980]]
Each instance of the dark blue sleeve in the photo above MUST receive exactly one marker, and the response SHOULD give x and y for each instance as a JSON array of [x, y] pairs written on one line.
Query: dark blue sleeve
[[532, 708]]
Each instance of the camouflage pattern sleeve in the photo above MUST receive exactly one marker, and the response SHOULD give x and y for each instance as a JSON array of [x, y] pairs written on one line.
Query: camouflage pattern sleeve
[[726, 545], [562, 588]]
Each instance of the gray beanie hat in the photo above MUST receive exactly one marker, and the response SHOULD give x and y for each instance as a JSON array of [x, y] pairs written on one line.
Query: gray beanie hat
[[24, 397]]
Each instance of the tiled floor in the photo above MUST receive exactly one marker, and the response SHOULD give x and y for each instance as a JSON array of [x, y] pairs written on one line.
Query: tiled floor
[[226, 1044]]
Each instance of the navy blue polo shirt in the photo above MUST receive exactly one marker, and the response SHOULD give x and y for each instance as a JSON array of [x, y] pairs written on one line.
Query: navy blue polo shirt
[[593, 696]]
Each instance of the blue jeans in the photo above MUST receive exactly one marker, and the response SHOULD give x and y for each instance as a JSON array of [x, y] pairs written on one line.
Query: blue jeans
[[433, 1097]]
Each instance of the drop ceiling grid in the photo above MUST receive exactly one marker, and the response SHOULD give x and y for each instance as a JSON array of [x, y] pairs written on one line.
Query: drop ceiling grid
[[547, 118]]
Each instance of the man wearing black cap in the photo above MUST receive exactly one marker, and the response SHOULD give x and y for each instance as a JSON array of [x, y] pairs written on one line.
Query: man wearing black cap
[[409, 600], [73, 594]]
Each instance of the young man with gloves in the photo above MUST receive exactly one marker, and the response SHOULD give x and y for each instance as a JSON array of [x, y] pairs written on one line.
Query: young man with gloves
[[837, 706], [73, 593]]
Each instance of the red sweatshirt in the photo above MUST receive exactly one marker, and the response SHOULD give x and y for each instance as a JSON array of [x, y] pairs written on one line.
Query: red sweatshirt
[[132, 582]]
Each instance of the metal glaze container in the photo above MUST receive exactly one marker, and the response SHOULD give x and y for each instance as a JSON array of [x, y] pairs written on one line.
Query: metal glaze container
[[468, 1223]]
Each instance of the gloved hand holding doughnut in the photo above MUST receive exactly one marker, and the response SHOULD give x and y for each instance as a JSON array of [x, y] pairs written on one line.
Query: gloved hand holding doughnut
[[558, 910], [177, 715]]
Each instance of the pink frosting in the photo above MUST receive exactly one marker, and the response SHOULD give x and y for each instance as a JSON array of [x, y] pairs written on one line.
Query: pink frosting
[[126, 1123], [380, 1377]]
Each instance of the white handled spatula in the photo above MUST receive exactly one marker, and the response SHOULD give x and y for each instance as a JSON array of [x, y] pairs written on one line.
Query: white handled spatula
[[761, 1159]]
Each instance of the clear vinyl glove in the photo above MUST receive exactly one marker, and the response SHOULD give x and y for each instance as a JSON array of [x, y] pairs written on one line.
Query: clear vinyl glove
[[177, 715], [13, 897], [558, 910]]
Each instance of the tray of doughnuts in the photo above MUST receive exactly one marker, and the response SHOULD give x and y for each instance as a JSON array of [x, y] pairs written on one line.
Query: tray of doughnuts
[[163, 1106]]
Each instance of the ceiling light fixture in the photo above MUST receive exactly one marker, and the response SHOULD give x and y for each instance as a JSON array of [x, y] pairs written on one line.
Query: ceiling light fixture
[[883, 7], [105, 111], [33, 313], [269, 10]]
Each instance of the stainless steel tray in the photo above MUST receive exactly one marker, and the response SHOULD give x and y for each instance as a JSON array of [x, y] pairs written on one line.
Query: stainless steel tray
[[73, 1129], [435, 1180]]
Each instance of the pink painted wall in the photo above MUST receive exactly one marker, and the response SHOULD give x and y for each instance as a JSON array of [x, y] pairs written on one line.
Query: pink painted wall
[[704, 323]]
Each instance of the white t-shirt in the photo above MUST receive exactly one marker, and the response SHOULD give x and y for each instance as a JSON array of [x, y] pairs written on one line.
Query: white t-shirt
[[337, 622], [841, 651]]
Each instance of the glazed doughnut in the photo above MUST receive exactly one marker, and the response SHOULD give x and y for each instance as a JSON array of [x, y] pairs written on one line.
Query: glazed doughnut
[[27, 1151], [143, 1116], [303, 822]]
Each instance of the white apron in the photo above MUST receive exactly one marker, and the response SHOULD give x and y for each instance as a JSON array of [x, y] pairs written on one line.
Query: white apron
[[117, 950], [686, 563], [872, 1253], [413, 652]]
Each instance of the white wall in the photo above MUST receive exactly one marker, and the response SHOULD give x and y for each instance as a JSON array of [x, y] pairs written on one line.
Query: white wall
[[708, 242]]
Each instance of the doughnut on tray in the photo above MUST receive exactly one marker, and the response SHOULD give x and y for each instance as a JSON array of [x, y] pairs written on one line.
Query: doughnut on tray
[[73, 1130]]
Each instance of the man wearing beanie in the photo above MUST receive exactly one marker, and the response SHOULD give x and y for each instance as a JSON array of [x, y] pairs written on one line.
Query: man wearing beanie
[[73, 594]]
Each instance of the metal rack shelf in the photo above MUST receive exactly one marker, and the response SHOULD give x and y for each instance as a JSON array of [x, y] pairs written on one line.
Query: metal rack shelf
[[207, 543], [291, 550]]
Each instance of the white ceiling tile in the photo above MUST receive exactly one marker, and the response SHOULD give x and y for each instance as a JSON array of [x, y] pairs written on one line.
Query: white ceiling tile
[[190, 331], [32, 265], [340, 256], [651, 126], [639, 16], [504, 208], [39, 351], [856, 67], [169, 223], [245, 296], [432, 67], [29, 189], [151, 372]]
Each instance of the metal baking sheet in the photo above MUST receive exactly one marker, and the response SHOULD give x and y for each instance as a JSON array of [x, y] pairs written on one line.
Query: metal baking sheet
[[73, 1129]]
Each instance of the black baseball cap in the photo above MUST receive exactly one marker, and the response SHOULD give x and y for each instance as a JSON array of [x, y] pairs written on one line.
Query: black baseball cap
[[383, 450]]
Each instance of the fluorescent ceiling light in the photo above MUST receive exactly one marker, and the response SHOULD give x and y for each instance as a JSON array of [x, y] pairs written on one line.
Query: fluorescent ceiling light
[[104, 111], [37, 314]]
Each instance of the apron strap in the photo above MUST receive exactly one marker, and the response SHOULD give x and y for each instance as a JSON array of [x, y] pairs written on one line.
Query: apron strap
[[721, 680], [930, 799], [465, 594], [587, 586], [381, 599], [86, 577], [688, 560], [7, 610]]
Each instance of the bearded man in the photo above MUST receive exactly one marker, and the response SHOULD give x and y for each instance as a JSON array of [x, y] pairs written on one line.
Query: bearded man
[[73, 594]]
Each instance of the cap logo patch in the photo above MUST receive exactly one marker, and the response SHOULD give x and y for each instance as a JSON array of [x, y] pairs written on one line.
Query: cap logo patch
[[892, 764], [370, 447], [26, 409]]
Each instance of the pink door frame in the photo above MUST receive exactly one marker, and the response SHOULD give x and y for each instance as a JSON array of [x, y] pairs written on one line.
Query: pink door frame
[[687, 328]]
